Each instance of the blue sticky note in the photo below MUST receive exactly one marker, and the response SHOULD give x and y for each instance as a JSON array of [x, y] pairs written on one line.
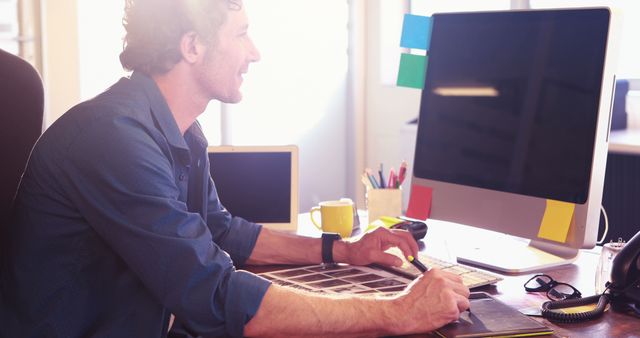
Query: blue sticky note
[[416, 32]]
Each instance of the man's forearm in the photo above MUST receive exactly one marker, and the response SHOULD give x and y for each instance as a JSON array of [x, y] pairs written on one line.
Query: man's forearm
[[430, 301], [273, 247], [286, 312]]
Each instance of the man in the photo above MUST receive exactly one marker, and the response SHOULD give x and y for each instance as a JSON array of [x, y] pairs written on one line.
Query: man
[[118, 226]]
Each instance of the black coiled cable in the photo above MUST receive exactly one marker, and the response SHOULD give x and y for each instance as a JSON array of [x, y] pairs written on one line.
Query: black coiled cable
[[549, 307]]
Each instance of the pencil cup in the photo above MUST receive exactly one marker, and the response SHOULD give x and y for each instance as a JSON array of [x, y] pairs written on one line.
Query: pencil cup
[[384, 202]]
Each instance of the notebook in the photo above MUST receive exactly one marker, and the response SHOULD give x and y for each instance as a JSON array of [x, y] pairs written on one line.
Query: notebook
[[258, 183], [490, 317]]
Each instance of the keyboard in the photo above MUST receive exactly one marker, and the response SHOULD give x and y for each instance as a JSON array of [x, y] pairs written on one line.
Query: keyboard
[[471, 277]]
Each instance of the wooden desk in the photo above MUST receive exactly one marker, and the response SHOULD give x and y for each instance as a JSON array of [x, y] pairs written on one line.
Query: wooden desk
[[580, 274]]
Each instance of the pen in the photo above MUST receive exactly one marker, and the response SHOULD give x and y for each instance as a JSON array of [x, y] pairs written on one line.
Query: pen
[[365, 180], [372, 178], [402, 173], [417, 264], [392, 179], [381, 173]]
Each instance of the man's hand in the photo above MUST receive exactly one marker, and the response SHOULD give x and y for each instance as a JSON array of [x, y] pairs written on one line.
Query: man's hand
[[370, 248], [433, 300]]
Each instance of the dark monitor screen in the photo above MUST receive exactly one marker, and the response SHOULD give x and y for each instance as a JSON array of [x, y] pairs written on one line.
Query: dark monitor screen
[[510, 102], [254, 185]]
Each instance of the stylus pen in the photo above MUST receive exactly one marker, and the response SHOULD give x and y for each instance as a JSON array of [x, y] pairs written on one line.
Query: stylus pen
[[418, 264]]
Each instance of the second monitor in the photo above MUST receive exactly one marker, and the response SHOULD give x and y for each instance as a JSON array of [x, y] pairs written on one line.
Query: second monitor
[[258, 183]]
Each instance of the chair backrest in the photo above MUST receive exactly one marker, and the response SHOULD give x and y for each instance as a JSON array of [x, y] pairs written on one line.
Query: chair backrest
[[21, 114]]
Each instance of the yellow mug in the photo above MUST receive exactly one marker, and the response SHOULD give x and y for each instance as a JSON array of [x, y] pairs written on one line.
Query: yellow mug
[[336, 216]]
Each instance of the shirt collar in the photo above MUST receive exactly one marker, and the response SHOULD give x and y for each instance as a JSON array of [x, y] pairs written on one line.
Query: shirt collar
[[196, 139], [160, 110]]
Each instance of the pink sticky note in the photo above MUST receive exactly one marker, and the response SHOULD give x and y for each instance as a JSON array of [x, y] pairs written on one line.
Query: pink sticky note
[[419, 202]]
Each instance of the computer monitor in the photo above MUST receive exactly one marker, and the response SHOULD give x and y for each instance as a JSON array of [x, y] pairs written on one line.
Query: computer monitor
[[258, 183], [515, 111]]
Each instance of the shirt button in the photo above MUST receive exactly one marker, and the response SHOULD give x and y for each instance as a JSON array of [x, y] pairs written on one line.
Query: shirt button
[[182, 177]]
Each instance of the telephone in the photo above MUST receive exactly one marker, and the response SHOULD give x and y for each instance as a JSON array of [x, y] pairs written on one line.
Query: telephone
[[624, 287]]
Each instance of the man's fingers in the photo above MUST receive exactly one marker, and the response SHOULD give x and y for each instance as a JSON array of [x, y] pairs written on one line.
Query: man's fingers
[[449, 281], [409, 239], [452, 277], [392, 237], [385, 259], [456, 284], [460, 289], [463, 303]]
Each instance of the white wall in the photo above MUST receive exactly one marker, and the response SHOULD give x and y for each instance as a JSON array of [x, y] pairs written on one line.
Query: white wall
[[388, 107], [297, 93], [100, 34], [60, 59], [381, 108]]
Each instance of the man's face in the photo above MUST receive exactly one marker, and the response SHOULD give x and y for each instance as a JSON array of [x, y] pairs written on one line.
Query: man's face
[[220, 73]]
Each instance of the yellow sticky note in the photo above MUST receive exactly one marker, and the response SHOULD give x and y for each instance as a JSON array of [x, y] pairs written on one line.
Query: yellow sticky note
[[556, 221], [374, 224], [383, 221], [579, 309]]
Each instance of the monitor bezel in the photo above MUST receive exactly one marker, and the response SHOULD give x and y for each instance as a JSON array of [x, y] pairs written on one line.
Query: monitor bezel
[[498, 211], [292, 225]]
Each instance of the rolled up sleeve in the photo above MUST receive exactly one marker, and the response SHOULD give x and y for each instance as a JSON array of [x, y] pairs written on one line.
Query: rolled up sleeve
[[235, 235], [246, 289]]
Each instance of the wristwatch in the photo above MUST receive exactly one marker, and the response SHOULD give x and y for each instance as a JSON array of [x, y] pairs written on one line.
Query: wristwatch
[[327, 246]]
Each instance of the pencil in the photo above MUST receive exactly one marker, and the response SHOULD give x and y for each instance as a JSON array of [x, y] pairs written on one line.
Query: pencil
[[372, 178]]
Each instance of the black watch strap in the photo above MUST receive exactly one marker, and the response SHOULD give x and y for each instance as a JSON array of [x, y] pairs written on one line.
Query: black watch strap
[[327, 246]]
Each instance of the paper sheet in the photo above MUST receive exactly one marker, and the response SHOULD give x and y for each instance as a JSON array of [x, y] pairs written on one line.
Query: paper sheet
[[419, 202], [416, 32], [412, 70], [556, 221]]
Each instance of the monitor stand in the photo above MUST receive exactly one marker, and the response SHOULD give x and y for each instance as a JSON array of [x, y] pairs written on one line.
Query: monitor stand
[[516, 257]]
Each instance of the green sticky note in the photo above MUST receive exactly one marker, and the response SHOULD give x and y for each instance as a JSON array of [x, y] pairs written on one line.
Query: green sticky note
[[412, 70]]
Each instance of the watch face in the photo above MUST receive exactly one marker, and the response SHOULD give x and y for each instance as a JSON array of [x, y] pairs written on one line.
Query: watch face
[[327, 246]]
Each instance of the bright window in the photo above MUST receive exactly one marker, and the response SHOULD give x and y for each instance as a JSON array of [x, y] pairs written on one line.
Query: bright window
[[428, 7], [301, 78], [9, 26], [100, 34]]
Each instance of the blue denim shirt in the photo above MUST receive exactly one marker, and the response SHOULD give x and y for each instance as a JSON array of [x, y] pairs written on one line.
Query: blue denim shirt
[[118, 224]]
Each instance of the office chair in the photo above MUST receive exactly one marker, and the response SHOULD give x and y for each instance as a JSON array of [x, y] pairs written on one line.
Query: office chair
[[21, 114]]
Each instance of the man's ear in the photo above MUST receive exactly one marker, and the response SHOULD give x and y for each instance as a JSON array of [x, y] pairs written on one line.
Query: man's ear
[[191, 48]]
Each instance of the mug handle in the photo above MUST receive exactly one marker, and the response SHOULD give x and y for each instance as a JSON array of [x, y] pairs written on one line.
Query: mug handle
[[315, 209]]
